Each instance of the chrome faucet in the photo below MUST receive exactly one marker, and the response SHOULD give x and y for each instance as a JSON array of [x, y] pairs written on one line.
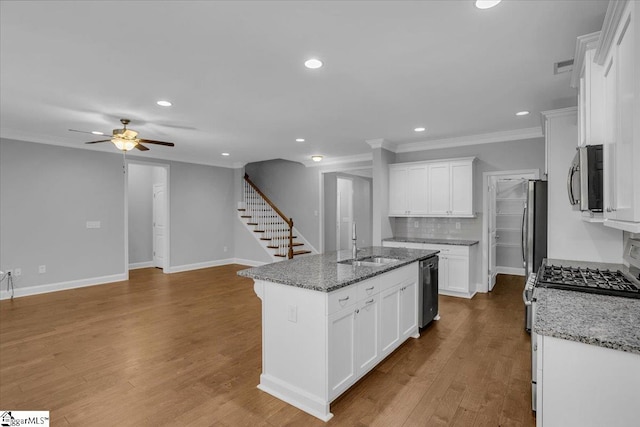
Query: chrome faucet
[[354, 249]]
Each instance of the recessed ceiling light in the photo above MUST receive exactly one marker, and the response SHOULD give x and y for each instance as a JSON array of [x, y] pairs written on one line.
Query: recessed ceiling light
[[486, 4], [225, 154], [164, 103], [299, 139], [420, 129], [97, 132], [313, 63], [316, 158], [522, 113]]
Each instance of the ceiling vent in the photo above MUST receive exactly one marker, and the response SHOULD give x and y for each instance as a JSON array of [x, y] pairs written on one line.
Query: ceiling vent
[[563, 66]]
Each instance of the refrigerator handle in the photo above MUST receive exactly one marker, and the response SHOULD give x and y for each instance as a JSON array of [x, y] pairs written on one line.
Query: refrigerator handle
[[523, 234]]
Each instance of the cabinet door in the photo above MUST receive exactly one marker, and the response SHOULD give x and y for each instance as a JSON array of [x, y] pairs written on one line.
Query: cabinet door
[[417, 194], [398, 183], [461, 188], [458, 273], [443, 272], [389, 320], [367, 334], [610, 128], [439, 189], [408, 309], [627, 191], [342, 352]]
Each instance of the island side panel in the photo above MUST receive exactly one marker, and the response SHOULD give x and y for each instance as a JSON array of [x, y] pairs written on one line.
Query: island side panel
[[294, 353]]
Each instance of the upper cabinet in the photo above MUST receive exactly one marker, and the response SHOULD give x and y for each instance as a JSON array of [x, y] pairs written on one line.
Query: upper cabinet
[[436, 189], [618, 53], [588, 79]]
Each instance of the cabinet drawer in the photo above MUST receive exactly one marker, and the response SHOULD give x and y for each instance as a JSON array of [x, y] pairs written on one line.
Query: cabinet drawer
[[448, 249], [342, 298], [368, 288]]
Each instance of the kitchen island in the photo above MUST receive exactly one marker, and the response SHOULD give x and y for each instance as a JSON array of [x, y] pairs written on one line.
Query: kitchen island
[[327, 321]]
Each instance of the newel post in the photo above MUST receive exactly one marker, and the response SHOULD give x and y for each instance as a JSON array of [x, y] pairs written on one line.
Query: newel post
[[290, 255]]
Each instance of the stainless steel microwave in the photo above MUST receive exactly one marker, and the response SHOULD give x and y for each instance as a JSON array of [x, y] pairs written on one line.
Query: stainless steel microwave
[[584, 183]]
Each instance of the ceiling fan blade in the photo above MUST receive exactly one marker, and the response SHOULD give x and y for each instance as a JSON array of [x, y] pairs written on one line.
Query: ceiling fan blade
[[150, 141], [95, 142], [141, 147]]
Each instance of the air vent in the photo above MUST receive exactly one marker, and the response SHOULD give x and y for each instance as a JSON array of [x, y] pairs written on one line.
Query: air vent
[[563, 66]]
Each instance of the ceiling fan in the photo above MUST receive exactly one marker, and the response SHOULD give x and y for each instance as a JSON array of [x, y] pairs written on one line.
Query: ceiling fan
[[127, 139]]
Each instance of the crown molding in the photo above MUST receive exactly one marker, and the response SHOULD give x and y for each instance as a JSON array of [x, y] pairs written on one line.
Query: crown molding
[[487, 138], [584, 43], [238, 165], [366, 157], [611, 21], [560, 112], [381, 143]]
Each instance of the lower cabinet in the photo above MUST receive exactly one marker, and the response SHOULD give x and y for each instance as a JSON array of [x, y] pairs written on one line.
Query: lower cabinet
[[456, 266], [342, 357]]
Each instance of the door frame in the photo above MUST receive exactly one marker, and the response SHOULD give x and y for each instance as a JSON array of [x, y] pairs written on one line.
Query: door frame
[[167, 168], [486, 176]]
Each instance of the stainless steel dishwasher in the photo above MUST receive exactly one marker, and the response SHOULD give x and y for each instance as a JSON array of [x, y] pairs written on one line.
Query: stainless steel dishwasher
[[428, 291]]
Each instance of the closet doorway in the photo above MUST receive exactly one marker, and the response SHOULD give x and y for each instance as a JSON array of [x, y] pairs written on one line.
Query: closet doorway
[[505, 197]]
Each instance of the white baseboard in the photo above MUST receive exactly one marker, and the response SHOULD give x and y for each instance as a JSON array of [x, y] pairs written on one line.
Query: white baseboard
[[249, 262], [62, 286], [199, 265], [136, 265], [510, 270]]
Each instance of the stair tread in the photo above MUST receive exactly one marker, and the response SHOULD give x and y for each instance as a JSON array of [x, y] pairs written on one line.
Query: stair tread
[[295, 253], [294, 244], [242, 210], [271, 238], [245, 216]]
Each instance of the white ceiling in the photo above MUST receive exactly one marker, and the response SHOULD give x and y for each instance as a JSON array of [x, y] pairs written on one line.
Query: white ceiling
[[234, 72]]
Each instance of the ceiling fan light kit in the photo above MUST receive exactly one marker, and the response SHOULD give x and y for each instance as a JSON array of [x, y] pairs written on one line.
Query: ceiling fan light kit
[[124, 144], [127, 139]]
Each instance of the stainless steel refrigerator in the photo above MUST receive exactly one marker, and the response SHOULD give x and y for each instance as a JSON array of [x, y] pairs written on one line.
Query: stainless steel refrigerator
[[534, 233]]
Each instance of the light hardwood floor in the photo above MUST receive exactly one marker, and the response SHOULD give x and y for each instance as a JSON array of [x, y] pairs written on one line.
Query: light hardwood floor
[[185, 349]]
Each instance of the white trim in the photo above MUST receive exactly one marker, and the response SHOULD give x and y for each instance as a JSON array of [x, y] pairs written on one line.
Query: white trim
[[584, 43], [381, 143], [514, 271], [487, 138], [295, 396], [609, 27], [199, 265], [467, 295], [484, 275], [137, 265], [631, 227], [366, 157], [248, 262], [62, 286]]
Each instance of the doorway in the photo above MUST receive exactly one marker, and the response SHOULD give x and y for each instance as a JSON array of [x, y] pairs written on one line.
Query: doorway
[[504, 199], [344, 213], [147, 213]]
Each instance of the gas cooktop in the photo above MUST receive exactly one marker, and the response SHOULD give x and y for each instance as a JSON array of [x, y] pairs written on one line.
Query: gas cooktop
[[605, 282]]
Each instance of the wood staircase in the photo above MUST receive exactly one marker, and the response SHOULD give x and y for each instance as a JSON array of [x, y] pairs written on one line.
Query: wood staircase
[[272, 225]]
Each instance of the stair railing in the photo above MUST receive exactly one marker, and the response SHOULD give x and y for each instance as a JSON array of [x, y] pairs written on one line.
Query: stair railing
[[268, 219]]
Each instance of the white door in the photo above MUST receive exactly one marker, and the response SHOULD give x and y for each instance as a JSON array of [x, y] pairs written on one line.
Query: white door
[[458, 273], [342, 352], [389, 320], [408, 308], [461, 188], [159, 224], [493, 235], [344, 214], [439, 189], [367, 328], [416, 188], [398, 182]]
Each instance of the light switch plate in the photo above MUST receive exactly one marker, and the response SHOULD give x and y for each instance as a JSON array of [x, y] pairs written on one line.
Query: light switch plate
[[93, 224]]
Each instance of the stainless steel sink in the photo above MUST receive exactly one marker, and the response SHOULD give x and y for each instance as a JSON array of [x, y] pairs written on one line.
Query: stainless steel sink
[[371, 261]]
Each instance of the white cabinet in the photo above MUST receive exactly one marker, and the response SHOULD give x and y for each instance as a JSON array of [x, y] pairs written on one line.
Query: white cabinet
[[588, 79], [408, 309], [390, 316], [435, 188], [586, 385], [618, 52], [342, 358], [367, 335], [408, 190], [456, 266]]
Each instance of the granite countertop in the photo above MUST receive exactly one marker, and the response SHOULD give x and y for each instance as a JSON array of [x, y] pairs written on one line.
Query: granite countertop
[[433, 241], [605, 321], [323, 273]]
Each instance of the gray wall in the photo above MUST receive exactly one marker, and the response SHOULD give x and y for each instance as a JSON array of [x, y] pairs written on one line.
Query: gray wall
[[140, 194], [382, 224], [47, 193]]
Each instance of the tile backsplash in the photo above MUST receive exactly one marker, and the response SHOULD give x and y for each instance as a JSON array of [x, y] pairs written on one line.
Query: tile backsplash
[[470, 228]]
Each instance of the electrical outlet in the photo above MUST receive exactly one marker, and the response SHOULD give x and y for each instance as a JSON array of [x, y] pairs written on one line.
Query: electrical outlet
[[416, 224], [292, 313], [42, 269], [457, 226], [17, 272]]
